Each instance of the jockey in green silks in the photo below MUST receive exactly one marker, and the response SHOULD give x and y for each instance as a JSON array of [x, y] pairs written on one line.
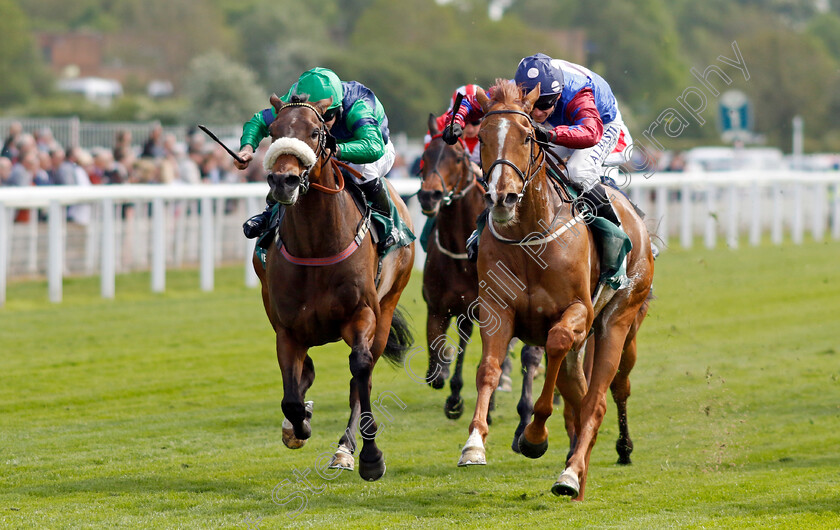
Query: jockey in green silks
[[355, 118]]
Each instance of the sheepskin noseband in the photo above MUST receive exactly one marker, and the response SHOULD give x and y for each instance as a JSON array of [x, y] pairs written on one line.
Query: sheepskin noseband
[[289, 146]]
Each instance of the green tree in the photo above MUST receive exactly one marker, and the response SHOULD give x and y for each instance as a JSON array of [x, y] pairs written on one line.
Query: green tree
[[826, 28], [790, 74], [21, 67], [221, 91], [279, 46]]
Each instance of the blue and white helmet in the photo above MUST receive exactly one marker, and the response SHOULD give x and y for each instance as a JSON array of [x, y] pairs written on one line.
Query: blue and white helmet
[[538, 68]]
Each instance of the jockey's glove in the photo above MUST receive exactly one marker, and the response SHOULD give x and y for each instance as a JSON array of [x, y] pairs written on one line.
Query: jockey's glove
[[543, 134], [451, 134]]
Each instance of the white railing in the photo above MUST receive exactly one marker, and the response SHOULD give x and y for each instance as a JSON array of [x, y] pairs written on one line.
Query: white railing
[[154, 227]]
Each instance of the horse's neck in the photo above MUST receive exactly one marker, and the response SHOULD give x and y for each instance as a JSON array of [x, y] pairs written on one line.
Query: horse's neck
[[320, 223], [540, 205], [457, 221]]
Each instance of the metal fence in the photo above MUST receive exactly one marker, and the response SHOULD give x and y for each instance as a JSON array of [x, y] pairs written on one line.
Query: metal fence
[[153, 227], [72, 132]]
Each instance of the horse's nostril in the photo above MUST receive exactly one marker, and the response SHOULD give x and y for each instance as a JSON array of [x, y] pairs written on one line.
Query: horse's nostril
[[292, 180], [511, 199], [488, 200], [437, 195]]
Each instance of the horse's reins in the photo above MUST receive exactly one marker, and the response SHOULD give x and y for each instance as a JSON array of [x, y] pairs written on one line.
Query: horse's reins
[[527, 176], [321, 153], [364, 224]]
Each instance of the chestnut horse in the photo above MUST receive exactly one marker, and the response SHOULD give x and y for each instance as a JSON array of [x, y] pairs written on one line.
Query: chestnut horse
[[541, 246], [320, 285], [451, 193]]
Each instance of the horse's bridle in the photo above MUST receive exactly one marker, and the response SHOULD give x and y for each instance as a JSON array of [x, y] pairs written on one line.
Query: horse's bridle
[[528, 175], [451, 195], [320, 153]]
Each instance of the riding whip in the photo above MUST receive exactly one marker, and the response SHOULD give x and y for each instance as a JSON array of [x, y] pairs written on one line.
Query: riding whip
[[226, 148]]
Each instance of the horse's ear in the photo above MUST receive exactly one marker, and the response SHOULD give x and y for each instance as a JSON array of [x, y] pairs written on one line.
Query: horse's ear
[[531, 98], [275, 102], [323, 105], [433, 130], [483, 100]]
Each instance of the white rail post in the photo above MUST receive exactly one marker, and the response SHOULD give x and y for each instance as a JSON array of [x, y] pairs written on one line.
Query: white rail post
[[108, 257], [818, 226], [755, 217], [797, 229], [732, 216], [33, 241], [206, 252], [219, 229], [4, 253], [835, 217], [251, 279], [711, 221], [55, 259], [686, 230], [158, 246], [662, 212], [778, 215]]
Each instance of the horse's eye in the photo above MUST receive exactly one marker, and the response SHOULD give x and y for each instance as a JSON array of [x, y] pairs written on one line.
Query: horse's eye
[[316, 133]]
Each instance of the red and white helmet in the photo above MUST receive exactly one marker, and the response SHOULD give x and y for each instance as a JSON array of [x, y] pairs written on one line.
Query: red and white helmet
[[466, 90]]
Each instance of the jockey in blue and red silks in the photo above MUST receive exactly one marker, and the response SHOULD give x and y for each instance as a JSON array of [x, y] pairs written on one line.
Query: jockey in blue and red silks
[[577, 112]]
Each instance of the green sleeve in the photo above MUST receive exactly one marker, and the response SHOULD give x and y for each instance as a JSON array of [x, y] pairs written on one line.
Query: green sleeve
[[253, 131], [256, 128], [367, 144]]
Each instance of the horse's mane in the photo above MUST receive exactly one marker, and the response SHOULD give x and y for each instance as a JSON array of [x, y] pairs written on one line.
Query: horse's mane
[[505, 91]]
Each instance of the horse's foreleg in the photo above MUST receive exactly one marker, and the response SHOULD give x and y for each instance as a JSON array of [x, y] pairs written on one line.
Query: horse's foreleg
[[495, 338], [297, 376], [439, 358], [343, 457], [567, 334], [361, 333], [610, 339], [454, 406], [531, 357]]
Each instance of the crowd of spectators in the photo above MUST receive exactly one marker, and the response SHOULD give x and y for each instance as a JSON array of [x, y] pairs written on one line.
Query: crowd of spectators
[[37, 159]]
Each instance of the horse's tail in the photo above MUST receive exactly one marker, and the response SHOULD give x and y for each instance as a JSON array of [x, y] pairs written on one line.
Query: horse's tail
[[400, 338]]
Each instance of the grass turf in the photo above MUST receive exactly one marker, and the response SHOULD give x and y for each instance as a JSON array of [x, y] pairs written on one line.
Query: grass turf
[[163, 411]]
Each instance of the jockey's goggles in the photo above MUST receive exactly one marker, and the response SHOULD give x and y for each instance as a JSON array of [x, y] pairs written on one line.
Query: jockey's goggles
[[332, 113], [546, 102]]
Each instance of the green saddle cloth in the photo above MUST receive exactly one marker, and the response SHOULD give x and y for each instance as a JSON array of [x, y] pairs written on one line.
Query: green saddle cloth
[[391, 226], [385, 226], [613, 243], [427, 232]]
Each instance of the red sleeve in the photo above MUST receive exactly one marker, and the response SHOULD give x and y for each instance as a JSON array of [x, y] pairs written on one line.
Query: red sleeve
[[470, 111], [586, 129]]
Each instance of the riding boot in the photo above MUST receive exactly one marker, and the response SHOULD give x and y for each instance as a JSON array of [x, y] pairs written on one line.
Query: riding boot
[[376, 193], [597, 198], [258, 224]]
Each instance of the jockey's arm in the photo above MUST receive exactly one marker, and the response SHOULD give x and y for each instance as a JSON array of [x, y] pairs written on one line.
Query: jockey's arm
[[469, 111], [367, 144], [254, 131], [586, 129]]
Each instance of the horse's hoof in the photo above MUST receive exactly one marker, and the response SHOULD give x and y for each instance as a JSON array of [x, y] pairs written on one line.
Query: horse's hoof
[[342, 459], [472, 456], [454, 407], [515, 445], [372, 471], [289, 438], [532, 450], [624, 448], [567, 485]]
